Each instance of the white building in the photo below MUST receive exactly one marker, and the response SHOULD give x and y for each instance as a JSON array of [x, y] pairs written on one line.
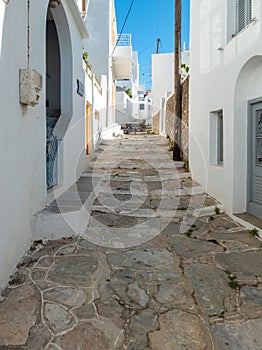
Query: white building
[[163, 82], [45, 44], [54, 107], [108, 63], [132, 84], [137, 104], [226, 101]]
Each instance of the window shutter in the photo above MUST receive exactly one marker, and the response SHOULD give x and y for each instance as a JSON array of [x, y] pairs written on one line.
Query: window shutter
[[250, 10], [244, 13], [241, 14]]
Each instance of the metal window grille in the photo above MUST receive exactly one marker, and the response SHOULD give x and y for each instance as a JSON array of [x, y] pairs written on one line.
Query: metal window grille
[[244, 14]]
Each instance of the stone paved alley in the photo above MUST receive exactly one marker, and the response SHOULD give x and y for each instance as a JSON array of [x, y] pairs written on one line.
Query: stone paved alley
[[158, 267]]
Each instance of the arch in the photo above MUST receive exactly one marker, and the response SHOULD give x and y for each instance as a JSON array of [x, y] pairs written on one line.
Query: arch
[[59, 91], [248, 87], [66, 58]]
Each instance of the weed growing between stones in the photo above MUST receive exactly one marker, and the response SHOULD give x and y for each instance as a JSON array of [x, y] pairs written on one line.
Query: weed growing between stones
[[189, 233], [217, 210], [254, 232], [233, 283], [222, 314]]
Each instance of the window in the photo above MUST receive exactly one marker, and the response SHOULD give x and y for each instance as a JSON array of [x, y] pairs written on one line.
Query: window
[[217, 137], [220, 137], [244, 14], [141, 106]]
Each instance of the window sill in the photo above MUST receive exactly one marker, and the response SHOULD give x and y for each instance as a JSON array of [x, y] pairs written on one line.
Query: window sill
[[217, 165], [252, 22]]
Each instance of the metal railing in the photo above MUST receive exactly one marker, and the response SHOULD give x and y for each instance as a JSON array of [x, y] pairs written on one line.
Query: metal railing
[[123, 40]]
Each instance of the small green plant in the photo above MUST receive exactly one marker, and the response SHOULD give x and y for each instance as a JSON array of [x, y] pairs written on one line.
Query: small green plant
[[85, 59], [85, 56], [128, 92], [171, 145], [211, 218], [185, 67], [222, 314], [217, 210], [187, 169], [188, 234], [182, 208], [254, 232], [233, 283], [194, 225]]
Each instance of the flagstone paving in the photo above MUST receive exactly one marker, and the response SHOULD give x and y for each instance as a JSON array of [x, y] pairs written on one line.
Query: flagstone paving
[[156, 268]]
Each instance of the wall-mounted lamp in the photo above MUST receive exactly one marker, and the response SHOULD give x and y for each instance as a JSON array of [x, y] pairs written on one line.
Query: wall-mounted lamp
[[54, 3]]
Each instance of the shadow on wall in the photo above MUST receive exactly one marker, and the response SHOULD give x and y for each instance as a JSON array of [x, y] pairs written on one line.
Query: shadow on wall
[[248, 87], [170, 117]]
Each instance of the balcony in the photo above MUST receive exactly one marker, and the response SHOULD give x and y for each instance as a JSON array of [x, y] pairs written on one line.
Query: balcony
[[122, 57]]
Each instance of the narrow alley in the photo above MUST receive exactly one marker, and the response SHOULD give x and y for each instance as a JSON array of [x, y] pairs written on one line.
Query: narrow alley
[[158, 267]]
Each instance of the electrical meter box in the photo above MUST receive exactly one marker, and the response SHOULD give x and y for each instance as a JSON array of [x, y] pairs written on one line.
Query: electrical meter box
[[30, 85]]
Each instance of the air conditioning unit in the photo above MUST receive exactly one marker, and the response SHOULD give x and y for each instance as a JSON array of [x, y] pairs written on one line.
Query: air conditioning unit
[[30, 85]]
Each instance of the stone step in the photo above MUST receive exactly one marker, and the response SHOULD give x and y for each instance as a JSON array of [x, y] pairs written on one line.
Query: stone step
[[163, 173], [136, 165], [69, 214]]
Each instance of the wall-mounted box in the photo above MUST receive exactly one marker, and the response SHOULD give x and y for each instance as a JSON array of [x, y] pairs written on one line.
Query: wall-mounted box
[[30, 85]]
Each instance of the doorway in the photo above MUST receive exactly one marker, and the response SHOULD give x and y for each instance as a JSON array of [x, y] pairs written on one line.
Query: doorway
[[53, 100], [255, 164], [89, 129]]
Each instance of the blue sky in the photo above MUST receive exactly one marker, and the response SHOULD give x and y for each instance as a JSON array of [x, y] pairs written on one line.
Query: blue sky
[[149, 20]]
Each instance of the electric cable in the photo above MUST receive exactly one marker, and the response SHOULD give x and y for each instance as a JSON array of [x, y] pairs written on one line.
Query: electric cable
[[147, 48], [123, 26], [157, 18]]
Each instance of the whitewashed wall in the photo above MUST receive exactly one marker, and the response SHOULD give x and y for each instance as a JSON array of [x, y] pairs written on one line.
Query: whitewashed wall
[[22, 134], [224, 74], [162, 77], [96, 96], [124, 108], [102, 34]]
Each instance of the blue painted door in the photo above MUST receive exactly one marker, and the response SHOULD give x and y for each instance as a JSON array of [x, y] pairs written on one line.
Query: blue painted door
[[51, 154], [255, 205]]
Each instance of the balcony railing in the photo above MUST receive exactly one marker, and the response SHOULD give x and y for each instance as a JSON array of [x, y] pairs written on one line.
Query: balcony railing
[[123, 40]]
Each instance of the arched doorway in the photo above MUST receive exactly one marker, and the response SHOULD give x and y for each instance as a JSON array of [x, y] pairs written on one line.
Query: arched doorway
[[248, 139], [58, 91], [53, 99]]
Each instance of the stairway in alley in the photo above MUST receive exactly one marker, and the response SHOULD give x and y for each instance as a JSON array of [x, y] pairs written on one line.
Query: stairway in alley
[[140, 258], [140, 192]]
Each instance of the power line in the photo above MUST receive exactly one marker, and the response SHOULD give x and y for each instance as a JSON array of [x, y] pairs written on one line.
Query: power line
[[123, 26], [157, 18], [147, 48]]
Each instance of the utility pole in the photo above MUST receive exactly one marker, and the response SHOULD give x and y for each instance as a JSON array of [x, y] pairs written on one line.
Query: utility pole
[[177, 152], [158, 45]]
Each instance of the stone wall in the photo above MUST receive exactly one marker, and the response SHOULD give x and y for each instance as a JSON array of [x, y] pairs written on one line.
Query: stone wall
[[156, 121], [185, 116], [170, 117]]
